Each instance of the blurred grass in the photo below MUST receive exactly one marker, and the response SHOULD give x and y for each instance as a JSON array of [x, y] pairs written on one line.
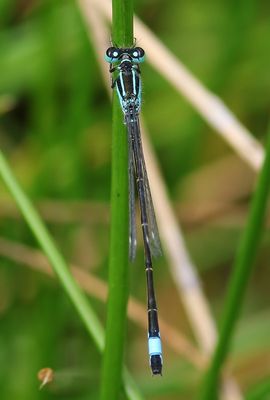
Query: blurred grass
[[56, 135], [242, 267]]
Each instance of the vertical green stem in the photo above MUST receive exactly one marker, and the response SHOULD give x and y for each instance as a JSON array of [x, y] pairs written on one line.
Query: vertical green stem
[[240, 275], [122, 35]]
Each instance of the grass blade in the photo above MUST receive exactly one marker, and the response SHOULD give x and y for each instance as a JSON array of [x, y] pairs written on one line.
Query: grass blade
[[60, 267], [122, 33], [57, 261], [240, 275]]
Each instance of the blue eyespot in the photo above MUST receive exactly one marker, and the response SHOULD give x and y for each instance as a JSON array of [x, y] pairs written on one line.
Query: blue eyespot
[[112, 54], [137, 54]]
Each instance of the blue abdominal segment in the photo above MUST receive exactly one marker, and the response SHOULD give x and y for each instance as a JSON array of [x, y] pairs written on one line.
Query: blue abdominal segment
[[155, 354]]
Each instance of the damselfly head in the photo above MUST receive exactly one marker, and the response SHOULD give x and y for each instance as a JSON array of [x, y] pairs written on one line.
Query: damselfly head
[[116, 54]]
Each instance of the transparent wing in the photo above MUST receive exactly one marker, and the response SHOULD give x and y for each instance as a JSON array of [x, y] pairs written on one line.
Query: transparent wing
[[154, 239], [132, 208], [133, 125]]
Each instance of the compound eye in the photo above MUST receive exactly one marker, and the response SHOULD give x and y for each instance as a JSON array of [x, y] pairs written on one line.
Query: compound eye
[[138, 54], [112, 54]]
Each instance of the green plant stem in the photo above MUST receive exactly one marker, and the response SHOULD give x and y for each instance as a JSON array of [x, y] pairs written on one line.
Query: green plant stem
[[112, 371], [58, 263], [60, 267], [122, 23], [240, 275]]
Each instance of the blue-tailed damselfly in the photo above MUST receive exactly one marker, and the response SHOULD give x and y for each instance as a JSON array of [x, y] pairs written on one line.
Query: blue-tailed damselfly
[[127, 82]]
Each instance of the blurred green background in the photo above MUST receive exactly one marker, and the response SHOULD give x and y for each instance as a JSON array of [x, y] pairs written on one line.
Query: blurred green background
[[55, 130]]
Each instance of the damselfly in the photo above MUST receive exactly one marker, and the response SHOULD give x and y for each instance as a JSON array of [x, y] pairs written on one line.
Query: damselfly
[[127, 82]]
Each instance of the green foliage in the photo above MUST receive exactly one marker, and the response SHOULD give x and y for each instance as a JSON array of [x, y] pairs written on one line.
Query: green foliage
[[55, 131], [244, 261]]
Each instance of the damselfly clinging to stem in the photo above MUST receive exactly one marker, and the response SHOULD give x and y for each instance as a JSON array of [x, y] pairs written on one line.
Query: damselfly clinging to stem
[[127, 82]]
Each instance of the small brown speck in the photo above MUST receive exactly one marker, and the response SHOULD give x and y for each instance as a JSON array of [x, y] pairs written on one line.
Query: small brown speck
[[45, 375]]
